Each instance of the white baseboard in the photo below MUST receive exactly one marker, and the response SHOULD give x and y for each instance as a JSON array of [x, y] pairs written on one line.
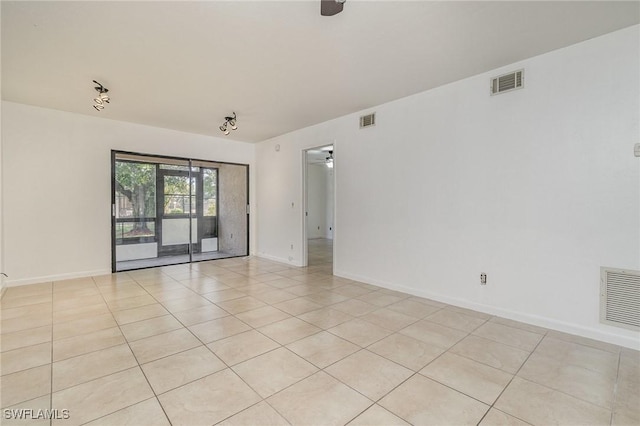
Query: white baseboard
[[565, 327], [58, 277], [279, 259]]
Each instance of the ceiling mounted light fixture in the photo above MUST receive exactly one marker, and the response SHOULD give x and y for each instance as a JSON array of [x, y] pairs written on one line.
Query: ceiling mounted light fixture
[[229, 123], [102, 97]]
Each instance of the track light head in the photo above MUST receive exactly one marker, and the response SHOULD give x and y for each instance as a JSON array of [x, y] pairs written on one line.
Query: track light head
[[100, 88]]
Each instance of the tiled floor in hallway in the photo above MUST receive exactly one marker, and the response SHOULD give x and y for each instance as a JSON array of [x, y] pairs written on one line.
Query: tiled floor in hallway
[[254, 342]]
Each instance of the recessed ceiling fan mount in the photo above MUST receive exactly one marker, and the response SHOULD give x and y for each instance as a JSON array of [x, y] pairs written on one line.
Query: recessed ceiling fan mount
[[329, 160], [331, 7]]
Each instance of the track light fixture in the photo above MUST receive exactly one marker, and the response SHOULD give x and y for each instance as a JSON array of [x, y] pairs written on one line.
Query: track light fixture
[[102, 97], [229, 123]]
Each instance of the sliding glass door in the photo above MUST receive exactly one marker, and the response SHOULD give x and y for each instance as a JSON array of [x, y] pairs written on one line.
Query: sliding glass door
[[169, 210]]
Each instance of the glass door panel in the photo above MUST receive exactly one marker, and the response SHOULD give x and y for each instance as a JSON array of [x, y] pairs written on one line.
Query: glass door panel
[[175, 208], [171, 210], [208, 217], [135, 210]]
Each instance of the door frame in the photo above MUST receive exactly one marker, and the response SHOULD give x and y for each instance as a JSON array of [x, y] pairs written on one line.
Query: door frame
[[162, 216], [305, 192]]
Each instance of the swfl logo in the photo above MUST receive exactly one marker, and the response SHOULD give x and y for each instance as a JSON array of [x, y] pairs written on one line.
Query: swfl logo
[[31, 414]]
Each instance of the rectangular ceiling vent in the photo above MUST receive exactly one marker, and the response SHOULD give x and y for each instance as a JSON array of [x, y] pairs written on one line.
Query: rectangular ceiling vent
[[507, 82], [620, 298], [368, 120]]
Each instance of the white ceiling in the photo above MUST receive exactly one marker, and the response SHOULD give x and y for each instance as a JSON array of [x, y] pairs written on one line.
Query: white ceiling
[[280, 65]]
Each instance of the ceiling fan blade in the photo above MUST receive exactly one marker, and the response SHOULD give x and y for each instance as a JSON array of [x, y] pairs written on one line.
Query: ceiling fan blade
[[330, 7]]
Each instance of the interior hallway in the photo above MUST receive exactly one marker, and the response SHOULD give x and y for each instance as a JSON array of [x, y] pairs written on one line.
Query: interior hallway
[[320, 254], [247, 341]]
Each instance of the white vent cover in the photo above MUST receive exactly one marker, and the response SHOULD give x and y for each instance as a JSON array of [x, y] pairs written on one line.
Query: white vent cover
[[368, 120], [507, 82], [620, 298]]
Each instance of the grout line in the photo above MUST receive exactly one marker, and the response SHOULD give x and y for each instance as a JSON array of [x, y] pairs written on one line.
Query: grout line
[[615, 388], [510, 381], [123, 408]]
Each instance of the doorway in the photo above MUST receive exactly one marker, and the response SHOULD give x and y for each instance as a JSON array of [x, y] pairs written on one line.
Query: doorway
[[187, 195], [168, 210], [319, 199]]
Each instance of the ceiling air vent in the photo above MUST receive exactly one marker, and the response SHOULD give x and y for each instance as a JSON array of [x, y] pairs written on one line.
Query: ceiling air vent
[[620, 298], [368, 120], [507, 82]]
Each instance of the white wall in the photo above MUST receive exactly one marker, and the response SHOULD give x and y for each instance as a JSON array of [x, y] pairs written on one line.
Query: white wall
[[317, 196], [538, 188], [57, 184], [279, 177], [329, 207]]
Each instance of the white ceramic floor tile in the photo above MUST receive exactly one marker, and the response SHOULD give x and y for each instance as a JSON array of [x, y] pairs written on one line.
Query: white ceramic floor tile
[[274, 371], [370, 374], [209, 400], [176, 370], [319, 399], [537, 404], [422, 401]]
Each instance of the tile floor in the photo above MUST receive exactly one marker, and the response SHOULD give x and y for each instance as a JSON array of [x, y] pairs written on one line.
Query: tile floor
[[254, 342]]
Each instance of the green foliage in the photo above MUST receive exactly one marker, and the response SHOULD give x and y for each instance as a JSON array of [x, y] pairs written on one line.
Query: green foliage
[[176, 194], [210, 182], [137, 182], [130, 174], [177, 185], [209, 177]]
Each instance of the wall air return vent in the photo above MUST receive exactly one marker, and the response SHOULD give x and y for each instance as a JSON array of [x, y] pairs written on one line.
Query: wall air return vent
[[620, 298], [368, 120], [507, 82]]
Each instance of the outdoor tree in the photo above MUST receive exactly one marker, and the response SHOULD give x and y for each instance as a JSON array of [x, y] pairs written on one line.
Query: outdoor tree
[[137, 182], [209, 183], [176, 194]]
